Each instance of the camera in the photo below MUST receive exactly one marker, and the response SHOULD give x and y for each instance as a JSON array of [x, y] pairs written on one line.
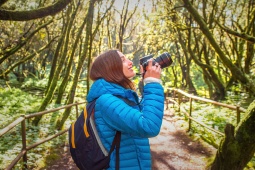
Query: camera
[[164, 60]]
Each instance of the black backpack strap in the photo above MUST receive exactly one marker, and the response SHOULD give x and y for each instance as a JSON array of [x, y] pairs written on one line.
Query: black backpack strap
[[117, 137], [116, 143]]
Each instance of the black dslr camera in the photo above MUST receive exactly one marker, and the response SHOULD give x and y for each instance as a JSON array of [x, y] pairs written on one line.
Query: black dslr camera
[[164, 60]]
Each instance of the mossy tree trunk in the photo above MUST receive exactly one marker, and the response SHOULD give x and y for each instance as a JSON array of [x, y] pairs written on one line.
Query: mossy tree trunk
[[70, 57], [250, 30], [89, 21], [55, 60], [236, 72], [53, 82], [194, 47], [219, 92], [217, 89], [86, 53], [238, 146], [185, 67]]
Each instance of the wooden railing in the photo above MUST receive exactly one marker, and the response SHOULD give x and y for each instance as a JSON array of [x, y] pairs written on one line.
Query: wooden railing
[[180, 94], [191, 97], [26, 148]]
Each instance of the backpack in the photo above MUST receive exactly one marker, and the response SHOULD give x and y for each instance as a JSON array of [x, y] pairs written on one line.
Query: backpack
[[86, 148]]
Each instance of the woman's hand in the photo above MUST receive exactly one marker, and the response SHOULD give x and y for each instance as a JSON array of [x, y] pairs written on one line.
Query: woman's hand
[[151, 71]]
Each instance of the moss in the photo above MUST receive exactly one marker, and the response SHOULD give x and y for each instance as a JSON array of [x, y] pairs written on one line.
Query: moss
[[49, 160], [233, 151], [52, 157]]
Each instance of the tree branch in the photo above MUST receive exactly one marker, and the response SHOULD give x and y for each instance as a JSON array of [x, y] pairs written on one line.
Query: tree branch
[[53, 9], [11, 51], [237, 34], [4, 74]]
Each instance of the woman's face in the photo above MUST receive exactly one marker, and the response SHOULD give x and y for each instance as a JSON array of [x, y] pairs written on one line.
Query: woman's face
[[127, 66]]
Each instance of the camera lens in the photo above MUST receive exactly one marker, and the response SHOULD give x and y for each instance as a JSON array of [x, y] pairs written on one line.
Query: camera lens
[[164, 60], [145, 59]]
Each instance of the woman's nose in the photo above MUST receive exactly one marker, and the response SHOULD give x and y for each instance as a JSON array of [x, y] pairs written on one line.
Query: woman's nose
[[130, 62]]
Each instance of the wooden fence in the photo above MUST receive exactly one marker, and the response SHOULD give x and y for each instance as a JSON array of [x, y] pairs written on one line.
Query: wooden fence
[[180, 94], [191, 97], [26, 148]]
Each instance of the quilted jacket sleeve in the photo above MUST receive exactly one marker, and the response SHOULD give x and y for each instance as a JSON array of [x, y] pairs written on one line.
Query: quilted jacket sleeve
[[145, 123]]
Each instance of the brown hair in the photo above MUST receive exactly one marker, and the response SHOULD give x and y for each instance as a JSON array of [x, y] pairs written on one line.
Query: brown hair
[[109, 66]]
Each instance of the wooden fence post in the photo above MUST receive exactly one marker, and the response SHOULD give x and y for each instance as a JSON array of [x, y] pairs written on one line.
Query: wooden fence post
[[24, 144], [167, 92], [190, 111], [179, 101], [237, 114], [174, 94]]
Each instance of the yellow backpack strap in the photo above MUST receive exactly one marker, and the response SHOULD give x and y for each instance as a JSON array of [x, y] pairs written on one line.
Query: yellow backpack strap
[[85, 128], [72, 140]]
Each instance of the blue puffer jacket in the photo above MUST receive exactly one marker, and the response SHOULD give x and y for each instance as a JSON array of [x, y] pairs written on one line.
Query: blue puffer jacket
[[136, 123]]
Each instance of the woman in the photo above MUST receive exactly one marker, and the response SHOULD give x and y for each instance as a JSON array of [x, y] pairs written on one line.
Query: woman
[[111, 73]]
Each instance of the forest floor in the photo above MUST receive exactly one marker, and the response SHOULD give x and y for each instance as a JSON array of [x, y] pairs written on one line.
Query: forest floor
[[172, 149]]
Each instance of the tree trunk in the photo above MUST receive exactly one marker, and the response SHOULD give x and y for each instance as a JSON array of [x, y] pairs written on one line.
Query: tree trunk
[[125, 17], [250, 30], [52, 87], [249, 57], [186, 72], [220, 92], [55, 60], [237, 147], [89, 22], [236, 72], [64, 82]]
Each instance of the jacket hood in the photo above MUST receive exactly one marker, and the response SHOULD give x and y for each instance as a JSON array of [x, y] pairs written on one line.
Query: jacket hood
[[101, 86]]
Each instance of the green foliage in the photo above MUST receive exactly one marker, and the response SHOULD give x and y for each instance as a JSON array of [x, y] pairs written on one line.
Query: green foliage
[[11, 144], [157, 33], [14, 102], [33, 82], [213, 116], [251, 164]]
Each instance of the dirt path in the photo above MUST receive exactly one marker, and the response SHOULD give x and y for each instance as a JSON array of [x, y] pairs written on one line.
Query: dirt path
[[172, 149]]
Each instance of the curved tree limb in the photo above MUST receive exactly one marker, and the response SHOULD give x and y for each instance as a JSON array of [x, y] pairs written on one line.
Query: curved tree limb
[[53, 9], [237, 34]]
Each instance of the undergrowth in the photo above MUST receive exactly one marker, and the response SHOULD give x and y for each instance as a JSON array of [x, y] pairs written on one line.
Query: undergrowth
[[13, 104], [215, 117]]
